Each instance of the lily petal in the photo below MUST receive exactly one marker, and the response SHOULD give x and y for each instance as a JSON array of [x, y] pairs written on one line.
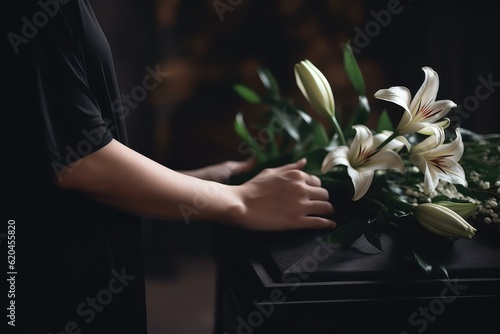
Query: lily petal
[[431, 178], [361, 181], [404, 123], [434, 111], [427, 92], [445, 123], [455, 148], [398, 94], [404, 141], [434, 129], [334, 158], [426, 145], [455, 174], [385, 159], [362, 140]]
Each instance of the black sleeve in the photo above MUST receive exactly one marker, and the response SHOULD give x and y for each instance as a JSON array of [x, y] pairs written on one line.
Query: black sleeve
[[71, 120]]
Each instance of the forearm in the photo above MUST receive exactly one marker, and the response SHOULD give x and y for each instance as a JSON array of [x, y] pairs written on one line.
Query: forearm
[[122, 178], [221, 172], [276, 199]]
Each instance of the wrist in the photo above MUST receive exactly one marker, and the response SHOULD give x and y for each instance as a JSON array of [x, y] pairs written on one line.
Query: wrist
[[233, 208]]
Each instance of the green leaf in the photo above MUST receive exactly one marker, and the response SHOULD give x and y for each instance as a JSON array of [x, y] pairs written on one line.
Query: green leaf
[[305, 116], [347, 233], [242, 131], [465, 191], [315, 159], [429, 265], [269, 82], [353, 71], [440, 198], [286, 123], [320, 137], [373, 239], [424, 265], [360, 116], [247, 93], [272, 147], [382, 221], [384, 122]]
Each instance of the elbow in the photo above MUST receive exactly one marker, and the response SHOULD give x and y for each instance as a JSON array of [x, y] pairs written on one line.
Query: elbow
[[75, 176], [67, 179]]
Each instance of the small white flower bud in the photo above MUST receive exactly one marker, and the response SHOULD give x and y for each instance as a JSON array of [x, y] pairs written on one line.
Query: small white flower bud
[[443, 221], [315, 87], [484, 211]]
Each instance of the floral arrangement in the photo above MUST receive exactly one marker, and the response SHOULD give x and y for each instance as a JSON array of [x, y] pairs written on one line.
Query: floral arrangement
[[430, 181]]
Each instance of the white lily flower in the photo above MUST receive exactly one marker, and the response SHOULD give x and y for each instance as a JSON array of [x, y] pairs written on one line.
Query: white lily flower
[[422, 113], [439, 161], [363, 158], [443, 221], [315, 88]]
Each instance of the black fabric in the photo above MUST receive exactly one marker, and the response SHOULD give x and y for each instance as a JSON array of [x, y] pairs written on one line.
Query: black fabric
[[304, 252], [78, 263]]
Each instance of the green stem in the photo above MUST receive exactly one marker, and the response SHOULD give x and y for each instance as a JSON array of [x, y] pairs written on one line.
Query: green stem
[[385, 142], [402, 204], [338, 130], [382, 205]]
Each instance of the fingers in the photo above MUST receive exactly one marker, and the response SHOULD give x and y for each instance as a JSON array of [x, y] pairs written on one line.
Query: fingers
[[317, 194], [313, 180], [321, 208], [298, 196], [310, 185], [295, 165], [311, 222]]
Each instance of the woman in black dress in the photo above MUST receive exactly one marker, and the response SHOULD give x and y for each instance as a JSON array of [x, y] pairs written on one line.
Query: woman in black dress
[[76, 191]]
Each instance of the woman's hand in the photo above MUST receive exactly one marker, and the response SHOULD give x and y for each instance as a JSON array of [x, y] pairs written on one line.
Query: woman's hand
[[284, 198], [221, 172]]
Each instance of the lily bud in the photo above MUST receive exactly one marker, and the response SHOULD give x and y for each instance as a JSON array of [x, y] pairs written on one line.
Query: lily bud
[[315, 88], [465, 210], [443, 221]]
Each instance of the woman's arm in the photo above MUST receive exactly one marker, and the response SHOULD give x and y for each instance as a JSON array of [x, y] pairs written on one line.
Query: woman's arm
[[220, 172], [276, 199]]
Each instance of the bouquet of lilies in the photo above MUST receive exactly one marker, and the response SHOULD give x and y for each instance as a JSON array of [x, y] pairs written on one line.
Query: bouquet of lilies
[[440, 181]]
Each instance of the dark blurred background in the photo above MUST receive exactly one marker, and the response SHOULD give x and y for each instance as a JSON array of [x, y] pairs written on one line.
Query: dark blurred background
[[209, 45]]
